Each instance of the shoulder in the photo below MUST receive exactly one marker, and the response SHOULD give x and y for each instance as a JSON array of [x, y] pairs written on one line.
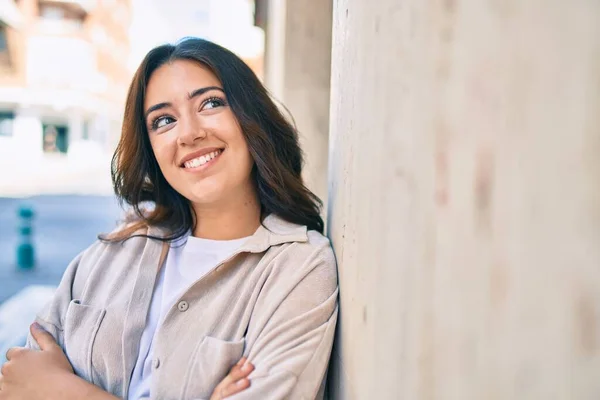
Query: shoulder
[[312, 247], [317, 247], [128, 228], [310, 263], [125, 237], [111, 253], [302, 273], [295, 243], [295, 247]]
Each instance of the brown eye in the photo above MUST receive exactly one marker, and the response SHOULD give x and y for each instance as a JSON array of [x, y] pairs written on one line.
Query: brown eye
[[213, 102], [161, 122]]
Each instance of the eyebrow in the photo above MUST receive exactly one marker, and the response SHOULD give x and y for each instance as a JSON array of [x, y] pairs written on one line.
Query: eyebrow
[[191, 95]]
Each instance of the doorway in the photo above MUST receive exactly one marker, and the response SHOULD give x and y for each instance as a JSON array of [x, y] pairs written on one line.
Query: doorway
[[56, 138]]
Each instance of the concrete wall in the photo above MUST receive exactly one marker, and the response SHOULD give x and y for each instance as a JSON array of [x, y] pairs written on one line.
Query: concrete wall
[[465, 199], [297, 68]]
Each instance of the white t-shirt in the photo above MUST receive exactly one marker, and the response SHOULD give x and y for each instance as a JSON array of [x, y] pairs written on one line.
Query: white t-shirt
[[188, 260]]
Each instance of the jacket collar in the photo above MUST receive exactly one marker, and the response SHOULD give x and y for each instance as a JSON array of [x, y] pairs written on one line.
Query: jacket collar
[[272, 232], [275, 231]]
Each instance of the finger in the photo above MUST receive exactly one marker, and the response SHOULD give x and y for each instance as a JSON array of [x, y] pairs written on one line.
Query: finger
[[235, 387], [242, 361], [4, 369], [43, 338], [14, 352], [238, 372], [235, 370]]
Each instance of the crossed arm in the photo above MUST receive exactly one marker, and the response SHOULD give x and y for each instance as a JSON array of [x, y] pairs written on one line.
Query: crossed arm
[[35, 375], [289, 343]]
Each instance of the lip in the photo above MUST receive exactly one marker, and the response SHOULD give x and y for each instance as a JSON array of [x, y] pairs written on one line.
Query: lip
[[198, 153]]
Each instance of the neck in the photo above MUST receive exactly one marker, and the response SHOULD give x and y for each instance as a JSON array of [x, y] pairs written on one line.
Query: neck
[[228, 220]]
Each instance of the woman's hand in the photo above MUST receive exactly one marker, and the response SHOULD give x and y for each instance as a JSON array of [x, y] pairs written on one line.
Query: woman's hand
[[235, 381], [30, 374], [47, 374]]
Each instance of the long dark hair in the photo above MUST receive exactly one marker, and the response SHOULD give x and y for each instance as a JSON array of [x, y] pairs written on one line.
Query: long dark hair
[[272, 142]]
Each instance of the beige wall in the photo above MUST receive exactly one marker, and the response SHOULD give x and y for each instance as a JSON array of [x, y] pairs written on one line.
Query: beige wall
[[298, 64], [465, 199]]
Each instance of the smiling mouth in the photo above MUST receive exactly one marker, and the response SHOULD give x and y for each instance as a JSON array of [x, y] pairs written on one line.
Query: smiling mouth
[[202, 160]]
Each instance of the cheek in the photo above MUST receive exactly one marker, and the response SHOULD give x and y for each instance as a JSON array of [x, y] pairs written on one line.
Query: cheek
[[163, 152], [243, 155], [250, 160], [239, 142]]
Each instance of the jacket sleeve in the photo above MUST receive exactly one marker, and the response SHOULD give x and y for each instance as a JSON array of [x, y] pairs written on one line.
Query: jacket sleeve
[[291, 333], [51, 317]]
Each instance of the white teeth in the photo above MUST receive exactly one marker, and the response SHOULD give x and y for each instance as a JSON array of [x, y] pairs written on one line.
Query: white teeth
[[198, 161]]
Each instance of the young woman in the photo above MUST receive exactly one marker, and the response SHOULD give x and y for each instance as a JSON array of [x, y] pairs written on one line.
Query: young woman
[[228, 262]]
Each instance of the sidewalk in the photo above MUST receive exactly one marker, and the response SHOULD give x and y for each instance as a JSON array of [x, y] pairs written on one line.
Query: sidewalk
[[63, 226], [73, 202]]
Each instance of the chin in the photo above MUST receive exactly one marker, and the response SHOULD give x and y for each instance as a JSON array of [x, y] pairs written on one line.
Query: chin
[[201, 191], [205, 195], [204, 199]]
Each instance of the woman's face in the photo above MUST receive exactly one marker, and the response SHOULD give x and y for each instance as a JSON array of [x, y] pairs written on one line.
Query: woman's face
[[195, 136]]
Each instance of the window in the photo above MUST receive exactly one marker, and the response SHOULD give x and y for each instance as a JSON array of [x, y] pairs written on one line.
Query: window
[[52, 12], [56, 138], [58, 18], [85, 134], [3, 41], [4, 53], [6, 123]]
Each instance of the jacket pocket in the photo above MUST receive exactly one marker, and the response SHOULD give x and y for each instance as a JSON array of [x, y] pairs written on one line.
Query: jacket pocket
[[213, 358], [80, 328]]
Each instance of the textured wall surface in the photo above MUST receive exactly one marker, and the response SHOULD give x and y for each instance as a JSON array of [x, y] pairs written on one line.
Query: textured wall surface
[[298, 74], [464, 199]]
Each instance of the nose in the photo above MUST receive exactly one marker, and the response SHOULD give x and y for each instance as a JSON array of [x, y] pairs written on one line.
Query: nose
[[190, 132]]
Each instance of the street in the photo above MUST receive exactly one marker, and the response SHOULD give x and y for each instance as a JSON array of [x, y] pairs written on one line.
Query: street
[[63, 227]]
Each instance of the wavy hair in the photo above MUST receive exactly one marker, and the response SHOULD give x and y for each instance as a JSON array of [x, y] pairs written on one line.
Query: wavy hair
[[272, 141]]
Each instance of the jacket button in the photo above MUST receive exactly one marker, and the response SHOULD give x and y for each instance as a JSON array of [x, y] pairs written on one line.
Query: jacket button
[[183, 306], [156, 363]]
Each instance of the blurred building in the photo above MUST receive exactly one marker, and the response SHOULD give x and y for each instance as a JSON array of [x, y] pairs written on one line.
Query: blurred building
[[65, 66], [63, 76], [229, 23], [297, 71]]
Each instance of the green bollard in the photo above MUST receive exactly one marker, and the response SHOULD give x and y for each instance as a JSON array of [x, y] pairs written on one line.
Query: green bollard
[[25, 249]]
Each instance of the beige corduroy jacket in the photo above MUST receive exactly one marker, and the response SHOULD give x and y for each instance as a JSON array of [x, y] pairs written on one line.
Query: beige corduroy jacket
[[274, 301]]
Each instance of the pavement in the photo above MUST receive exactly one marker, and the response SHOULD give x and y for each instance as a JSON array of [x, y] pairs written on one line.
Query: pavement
[[17, 313], [73, 202], [64, 225]]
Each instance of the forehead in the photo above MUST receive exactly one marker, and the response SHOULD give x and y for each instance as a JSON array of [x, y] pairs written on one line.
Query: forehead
[[176, 79]]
